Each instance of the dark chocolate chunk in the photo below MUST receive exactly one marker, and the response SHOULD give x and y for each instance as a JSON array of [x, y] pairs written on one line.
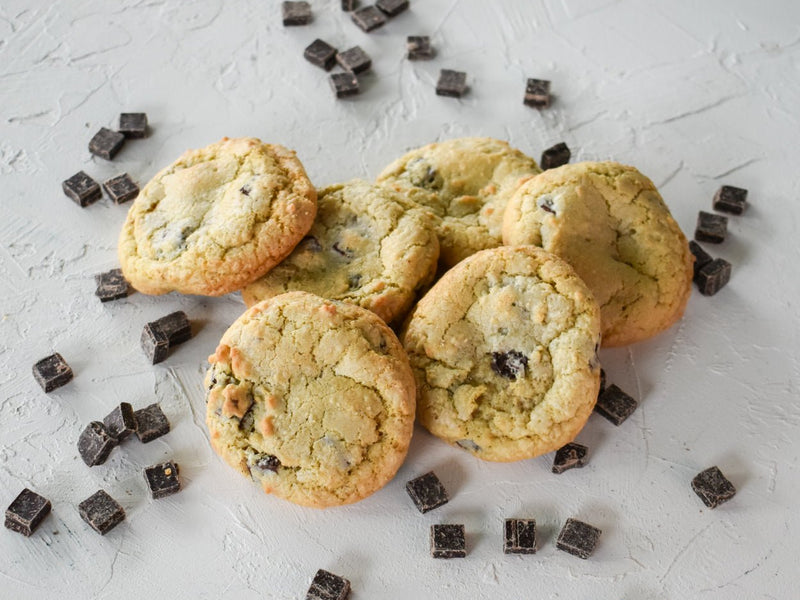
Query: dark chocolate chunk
[[52, 372], [427, 492], [711, 228], [162, 480], [343, 251], [555, 156], [520, 536], [578, 538], [537, 93], [354, 281], [102, 512], [713, 487], [121, 188], [730, 199], [296, 13], [546, 204], [452, 84], [713, 276], [82, 189], [133, 125], [468, 445], [392, 8], [368, 18], [155, 343], [615, 405], [568, 457], [448, 541], [267, 462], [95, 444], [311, 244], [151, 423], [701, 257], [344, 84], [349, 5], [327, 586], [509, 364], [111, 285], [354, 60], [321, 53], [25, 513], [418, 47], [106, 143], [176, 326], [120, 422]]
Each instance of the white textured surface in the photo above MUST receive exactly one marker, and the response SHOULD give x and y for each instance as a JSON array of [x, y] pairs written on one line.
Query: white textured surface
[[693, 96]]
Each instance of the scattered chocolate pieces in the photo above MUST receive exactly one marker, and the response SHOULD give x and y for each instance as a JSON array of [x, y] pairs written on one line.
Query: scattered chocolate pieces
[[452, 84], [349, 5], [155, 343], [95, 444], [615, 405], [448, 541], [82, 189], [701, 257], [713, 487], [161, 335], [151, 423], [354, 60], [162, 480], [555, 156], [296, 13], [711, 228], [320, 53], [418, 47], [101, 512], [537, 93], [106, 143], [344, 84], [25, 513], [368, 18], [427, 492], [133, 125], [713, 277], [520, 536], [730, 199], [52, 372], [120, 422], [509, 364], [176, 326], [327, 586], [121, 188], [578, 538], [569, 457], [392, 8], [111, 285]]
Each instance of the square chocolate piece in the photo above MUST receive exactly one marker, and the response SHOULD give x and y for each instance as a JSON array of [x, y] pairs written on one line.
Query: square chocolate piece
[[448, 541], [321, 53], [418, 47], [713, 487], [615, 405], [578, 538], [451, 83], [711, 228], [569, 457], [155, 343], [368, 18], [713, 276], [120, 422], [327, 586], [392, 8], [25, 513], [133, 125], [106, 143], [102, 512], [111, 285], [151, 423], [427, 492], [555, 156], [730, 199], [354, 60], [82, 189], [537, 93], [701, 257], [349, 5], [95, 444], [176, 326], [344, 84], [520, 536], [162, 480], [52, 372], [121, 188], [296, 13]]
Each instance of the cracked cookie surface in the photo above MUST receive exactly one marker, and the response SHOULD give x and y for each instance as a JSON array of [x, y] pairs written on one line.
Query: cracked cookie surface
[[216, 219], [312, 398], [369, 246], [610, 223], [503, 349], [467, 183]]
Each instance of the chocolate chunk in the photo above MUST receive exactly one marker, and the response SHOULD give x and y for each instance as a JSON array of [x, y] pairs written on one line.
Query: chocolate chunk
[[568, 457], [320, 53], [151, 423], [711, 228], [162, 480], [713, 487], [327, 586], [106, 143], [368, 18], [448, 541], [615, 405], [120, 422], [121, 188], [25, 513], [267, 462], [427, 492], [311, 244], [452, 84], [349, 5], [520, 536], [392, 8], [418, 47], [133, 125], [509, 364], [111, 285], [537, 93], [468, 445], [578, 538], [730, 199], [555, 156], [546, 204], [354, 60], [713, 276], [354, 281], [52, 372], [176, 326], [155, 343], [102, 512], [701, 257], [296, 13], [82, 189], [344, 84], [95, 444], [343, 251]]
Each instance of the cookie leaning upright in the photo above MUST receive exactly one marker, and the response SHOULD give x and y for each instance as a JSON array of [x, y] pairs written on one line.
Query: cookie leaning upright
[[503, 349], [217, 219], [610, 223]]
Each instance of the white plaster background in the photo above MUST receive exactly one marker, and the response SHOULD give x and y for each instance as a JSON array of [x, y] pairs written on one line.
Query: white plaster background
[[694, 94]]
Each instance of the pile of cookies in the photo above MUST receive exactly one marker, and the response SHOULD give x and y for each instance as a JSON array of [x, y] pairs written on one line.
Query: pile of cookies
[[500, 279]]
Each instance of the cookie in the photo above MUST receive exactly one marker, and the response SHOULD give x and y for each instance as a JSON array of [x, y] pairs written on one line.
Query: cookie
[[368, 246], [610, 223], [503, 349], [217, 219], [467, 182], [312, 398]]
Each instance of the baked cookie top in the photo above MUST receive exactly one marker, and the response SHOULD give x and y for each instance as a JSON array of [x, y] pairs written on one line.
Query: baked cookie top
[[312, 398], [467, 182], [216, 219], [610, 223], [503, 349], [369, 246]]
